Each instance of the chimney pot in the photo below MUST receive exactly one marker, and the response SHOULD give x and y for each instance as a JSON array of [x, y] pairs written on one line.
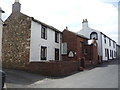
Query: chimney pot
[[66, 28], [85, 24], [16, 0]]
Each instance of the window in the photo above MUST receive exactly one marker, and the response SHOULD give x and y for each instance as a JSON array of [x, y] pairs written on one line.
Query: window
[[64, 48], [44, 32], [113, 44], [43, 53], [94, 35], [109, 42], [56, 37], [81, 47], [85, 51], [105, 39]]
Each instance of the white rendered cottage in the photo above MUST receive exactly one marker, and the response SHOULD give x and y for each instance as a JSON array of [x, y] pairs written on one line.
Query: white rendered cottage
[[106, 46], [44, 42], [26, 40]]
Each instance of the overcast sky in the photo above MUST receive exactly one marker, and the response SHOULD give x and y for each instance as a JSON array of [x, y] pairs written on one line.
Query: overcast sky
[[102, 15]]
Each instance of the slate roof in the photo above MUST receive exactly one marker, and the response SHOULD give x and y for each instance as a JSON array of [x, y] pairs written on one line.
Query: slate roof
[[79, 35], [48, 26]]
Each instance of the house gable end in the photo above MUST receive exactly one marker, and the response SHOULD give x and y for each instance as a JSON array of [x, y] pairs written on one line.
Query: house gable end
[[16, 41]]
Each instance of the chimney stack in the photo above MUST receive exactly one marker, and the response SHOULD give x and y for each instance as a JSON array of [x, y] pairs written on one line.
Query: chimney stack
[[16, 7], [85, 23]]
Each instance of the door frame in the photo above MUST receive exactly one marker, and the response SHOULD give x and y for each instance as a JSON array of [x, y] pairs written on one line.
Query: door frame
[[108, 54], [57, 57]]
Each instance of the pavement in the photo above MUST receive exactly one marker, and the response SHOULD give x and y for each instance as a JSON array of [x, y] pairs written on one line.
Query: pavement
[[102, 76]]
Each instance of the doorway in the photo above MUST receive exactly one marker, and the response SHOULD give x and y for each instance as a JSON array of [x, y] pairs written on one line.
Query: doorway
[[82, 63], [108, 54], [56, 54]]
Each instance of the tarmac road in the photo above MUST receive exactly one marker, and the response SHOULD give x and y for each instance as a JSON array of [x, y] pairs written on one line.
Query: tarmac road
[[103, 76]]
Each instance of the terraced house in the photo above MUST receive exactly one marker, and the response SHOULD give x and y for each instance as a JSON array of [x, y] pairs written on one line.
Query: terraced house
[[79, 48], [30, 44], [106, 46], [26, 39]]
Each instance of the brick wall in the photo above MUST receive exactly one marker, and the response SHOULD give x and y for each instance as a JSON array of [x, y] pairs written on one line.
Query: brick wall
[[54, 68], [16, 41], [71, 40], [80, 53], [94, 55], [73, 43], [89, 51]]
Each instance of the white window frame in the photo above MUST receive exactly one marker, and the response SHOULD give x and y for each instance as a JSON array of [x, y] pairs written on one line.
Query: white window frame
[[64, 48]]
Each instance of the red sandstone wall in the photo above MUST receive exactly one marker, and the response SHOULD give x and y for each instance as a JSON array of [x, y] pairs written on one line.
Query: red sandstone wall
[[71, 40], [54, 68], [94, 55], [80, 53], [73, 43]]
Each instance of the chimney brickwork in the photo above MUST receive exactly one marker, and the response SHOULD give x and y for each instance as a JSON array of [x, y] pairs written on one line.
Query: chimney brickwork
[[16, 7]]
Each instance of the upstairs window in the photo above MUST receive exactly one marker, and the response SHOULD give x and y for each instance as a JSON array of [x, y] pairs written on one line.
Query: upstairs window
[[44, 32], [43, 53], [94, 35], [104, 39], [113, 44], [109, 42], [56, 37]]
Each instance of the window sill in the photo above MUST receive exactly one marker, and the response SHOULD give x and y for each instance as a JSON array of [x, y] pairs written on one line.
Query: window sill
[[44, 38], [56, 42]]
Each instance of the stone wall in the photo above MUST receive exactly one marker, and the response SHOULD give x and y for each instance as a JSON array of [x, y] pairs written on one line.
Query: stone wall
[[16, 41], [54, 68]]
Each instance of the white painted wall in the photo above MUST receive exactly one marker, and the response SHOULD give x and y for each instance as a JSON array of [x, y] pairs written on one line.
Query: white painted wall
[[107, 46], [86, 31], [1, 26], [36, 42]]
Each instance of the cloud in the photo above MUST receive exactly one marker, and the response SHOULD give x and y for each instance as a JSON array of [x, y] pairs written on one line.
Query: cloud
[[61, 13]]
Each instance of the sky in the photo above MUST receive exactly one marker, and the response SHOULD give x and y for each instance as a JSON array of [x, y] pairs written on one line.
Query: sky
[[102, 15]]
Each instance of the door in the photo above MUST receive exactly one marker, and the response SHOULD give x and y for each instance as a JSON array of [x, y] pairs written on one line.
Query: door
[[56, 54], [107, 54], [112, 54], [82, 63]]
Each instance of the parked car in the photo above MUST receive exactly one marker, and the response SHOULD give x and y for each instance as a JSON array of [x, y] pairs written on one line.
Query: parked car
[[3, 77]]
